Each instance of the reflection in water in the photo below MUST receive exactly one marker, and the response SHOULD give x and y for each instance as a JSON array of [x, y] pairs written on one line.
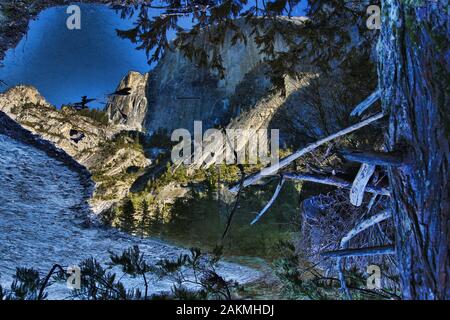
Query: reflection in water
[[66, 64], [200, 220]]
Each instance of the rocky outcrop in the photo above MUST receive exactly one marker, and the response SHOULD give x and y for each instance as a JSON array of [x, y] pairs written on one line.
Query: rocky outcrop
[[133, 106], [25, 105], [102, 149], [12, 129], [259, 116], [180, 92]]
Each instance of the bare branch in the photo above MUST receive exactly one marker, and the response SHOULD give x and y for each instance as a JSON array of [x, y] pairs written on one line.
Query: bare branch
[[376, 218], [334, 181], [54, 269], [238, 196], [267, 206], [366, 104], [286, 161], [359, 184], [375, 158], [360, 252]]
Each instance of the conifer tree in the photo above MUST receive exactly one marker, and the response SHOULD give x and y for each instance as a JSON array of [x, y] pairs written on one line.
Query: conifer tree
[[145, 221], [126, 216], [156, 220]]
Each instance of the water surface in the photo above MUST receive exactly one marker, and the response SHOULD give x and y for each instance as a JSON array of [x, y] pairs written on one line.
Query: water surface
[[66, 64]]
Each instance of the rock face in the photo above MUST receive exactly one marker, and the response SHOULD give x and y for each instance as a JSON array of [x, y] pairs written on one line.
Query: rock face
[[102, 149], [134, 106], [179, 91], [25, 105]]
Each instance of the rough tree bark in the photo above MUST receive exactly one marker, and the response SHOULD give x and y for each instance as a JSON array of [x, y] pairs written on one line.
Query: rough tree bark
[[413, 74]]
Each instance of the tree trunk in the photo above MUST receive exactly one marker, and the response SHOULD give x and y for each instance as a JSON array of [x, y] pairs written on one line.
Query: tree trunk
[[413, 75]]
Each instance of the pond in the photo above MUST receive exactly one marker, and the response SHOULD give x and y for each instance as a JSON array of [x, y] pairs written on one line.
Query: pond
[[199, 220]]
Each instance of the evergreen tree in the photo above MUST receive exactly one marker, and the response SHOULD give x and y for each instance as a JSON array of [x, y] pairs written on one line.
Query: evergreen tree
[[107, 217], [126, 216], [156, 220], [145, 221]]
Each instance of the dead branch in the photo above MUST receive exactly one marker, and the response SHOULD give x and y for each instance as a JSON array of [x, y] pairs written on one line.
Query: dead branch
[[374, 158], [382, 293], [289, 159], [366, 104], [334, 181], [267, 206], [359, 184], [360, 252], [377, 218]]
